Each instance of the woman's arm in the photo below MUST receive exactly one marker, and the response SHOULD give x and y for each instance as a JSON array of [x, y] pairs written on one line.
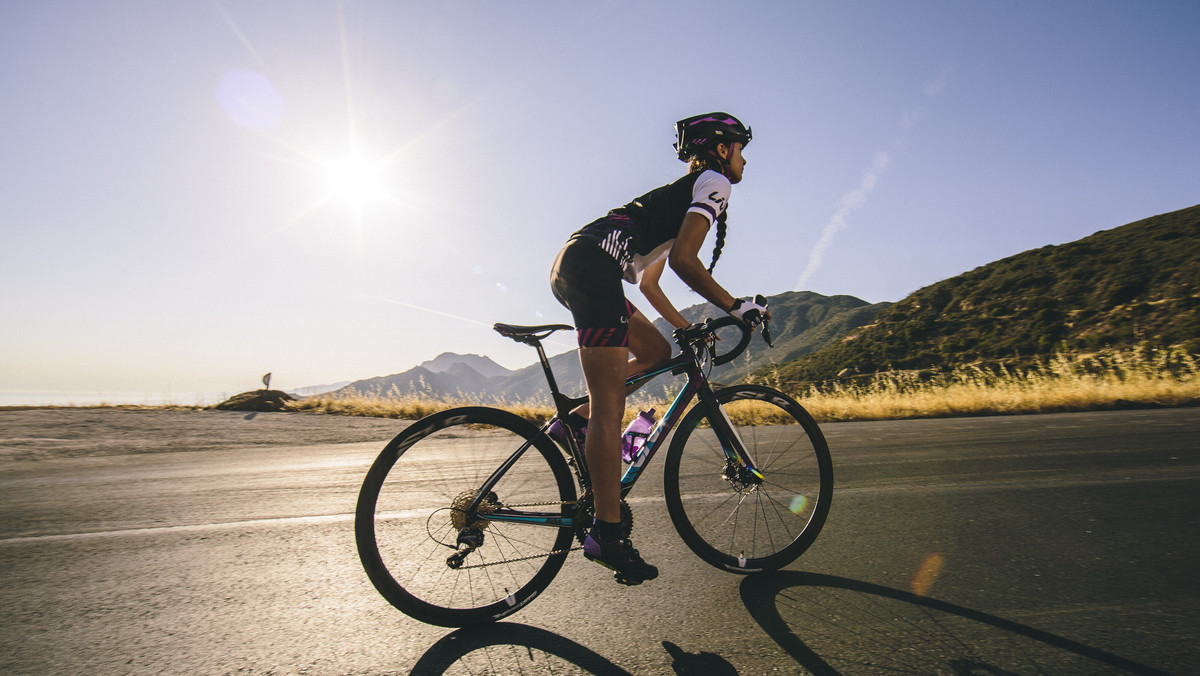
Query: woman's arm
[[685, 261], [653, 292]]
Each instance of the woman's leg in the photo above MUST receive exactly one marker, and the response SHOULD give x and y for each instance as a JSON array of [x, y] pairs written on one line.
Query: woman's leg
[[604, 370], [647, 349]]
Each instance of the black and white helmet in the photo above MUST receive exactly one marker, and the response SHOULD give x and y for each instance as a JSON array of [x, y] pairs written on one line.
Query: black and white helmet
[[702, 134]]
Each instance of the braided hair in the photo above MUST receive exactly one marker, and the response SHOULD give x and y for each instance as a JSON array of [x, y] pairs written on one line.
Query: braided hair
[[720, 244], [700, 162]]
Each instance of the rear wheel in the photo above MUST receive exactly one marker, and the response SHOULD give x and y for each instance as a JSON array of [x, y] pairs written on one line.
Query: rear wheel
[[437, 550], [731, 518]]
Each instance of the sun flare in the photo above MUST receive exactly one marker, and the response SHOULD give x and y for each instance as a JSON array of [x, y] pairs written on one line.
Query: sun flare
[[357, 180]]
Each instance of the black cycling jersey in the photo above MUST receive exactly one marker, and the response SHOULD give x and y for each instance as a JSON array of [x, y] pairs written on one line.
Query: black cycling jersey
[[587, 274], [643, 231]]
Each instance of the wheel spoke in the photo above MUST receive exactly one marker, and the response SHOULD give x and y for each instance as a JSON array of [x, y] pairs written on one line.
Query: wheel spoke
[[413, 516], [743, 522]]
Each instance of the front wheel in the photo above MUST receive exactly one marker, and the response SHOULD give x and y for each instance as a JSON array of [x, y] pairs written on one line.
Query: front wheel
[[443, 550], [731, 518]]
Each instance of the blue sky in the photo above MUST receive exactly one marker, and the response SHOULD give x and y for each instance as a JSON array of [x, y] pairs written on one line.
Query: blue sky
[[180, 215]]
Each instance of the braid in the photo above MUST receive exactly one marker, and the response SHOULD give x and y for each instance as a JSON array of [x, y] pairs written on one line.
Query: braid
[[720, 244], [699, 162]]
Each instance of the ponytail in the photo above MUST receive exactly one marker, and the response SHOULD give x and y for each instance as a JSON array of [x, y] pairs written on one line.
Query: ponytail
[[720, 244], [699, 162]]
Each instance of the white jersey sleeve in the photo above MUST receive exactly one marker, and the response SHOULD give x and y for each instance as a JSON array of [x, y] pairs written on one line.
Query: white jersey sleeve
[[710, 195]]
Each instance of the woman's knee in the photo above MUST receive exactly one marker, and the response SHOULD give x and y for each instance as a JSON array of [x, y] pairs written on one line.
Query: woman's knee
[[604, 372], [645, 342]]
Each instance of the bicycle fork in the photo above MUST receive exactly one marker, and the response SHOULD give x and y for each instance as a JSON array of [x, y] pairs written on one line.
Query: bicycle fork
[[739, 466]]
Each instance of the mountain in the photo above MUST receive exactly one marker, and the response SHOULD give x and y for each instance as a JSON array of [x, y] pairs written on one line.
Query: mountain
[[447, 375], [803, 322], [1132, 284], [313, 390], [448, 361]]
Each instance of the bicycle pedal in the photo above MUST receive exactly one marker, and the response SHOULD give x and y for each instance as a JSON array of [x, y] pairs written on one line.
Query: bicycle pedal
[[621, 579]]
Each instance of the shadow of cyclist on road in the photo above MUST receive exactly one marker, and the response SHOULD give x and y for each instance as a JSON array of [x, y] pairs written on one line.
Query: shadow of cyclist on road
[[698, 664], [835, 625], [506, 648]]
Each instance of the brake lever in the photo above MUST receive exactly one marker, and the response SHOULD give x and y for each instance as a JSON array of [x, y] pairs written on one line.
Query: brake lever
[[761, 300]]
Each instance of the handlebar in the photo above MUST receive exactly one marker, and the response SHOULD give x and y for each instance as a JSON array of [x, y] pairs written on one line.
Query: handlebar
[[766, 325], [697, 336]]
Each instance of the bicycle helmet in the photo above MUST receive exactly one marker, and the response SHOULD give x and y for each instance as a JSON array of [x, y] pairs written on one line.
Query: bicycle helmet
[[702, 134]]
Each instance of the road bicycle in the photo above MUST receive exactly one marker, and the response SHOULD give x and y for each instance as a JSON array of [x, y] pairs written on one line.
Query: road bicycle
[[468, 514]]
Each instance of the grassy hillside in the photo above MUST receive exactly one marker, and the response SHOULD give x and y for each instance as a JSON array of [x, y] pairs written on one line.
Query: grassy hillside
[[1139, 283]]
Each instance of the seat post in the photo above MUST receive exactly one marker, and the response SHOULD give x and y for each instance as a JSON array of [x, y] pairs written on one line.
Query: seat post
[[529, 335], [554, 393]]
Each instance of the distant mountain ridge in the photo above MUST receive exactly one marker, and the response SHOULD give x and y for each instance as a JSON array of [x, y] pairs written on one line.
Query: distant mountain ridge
[[466, 376], [804, 322], [313, 390], [1131, 284], [448, 361]]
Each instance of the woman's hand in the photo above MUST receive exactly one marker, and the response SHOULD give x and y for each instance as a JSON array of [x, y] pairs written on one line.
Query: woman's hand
[[751, 314]]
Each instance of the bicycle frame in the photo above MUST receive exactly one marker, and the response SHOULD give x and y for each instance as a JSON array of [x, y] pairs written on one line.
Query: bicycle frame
[[696, 387]]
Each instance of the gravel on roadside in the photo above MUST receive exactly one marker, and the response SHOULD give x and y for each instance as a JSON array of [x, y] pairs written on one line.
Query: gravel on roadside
[[66, 432]]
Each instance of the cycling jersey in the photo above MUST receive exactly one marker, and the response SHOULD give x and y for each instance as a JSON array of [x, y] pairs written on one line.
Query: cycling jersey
[[586, 277], [642, 232]]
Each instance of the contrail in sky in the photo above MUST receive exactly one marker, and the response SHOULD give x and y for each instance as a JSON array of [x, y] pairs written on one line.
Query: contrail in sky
[[429, 310], [854, 199], [548, 341], [850, 202]]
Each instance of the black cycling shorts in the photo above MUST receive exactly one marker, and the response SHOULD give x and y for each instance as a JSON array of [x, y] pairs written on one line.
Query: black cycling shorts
[[588, 282]]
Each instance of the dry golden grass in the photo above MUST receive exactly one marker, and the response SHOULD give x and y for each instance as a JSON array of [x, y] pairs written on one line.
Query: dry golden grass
[[411, 406], [1124, 379], [1139, 377]]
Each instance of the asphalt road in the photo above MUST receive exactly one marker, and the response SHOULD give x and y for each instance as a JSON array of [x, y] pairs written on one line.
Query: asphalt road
[[1055, 544]]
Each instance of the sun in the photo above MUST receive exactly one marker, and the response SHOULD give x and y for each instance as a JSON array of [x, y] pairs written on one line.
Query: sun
[[357, 180]]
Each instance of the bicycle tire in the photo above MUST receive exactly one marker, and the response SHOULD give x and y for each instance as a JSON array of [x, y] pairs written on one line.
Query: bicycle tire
[[405, 527], [744, 526]]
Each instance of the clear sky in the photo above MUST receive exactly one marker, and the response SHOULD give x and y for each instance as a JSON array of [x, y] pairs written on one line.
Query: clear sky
[[182, 209]]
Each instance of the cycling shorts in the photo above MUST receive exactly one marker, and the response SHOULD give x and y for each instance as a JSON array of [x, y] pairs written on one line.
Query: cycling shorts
[[588, 282]]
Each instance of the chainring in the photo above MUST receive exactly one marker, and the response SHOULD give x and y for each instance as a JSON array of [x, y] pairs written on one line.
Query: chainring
[[585, 513]]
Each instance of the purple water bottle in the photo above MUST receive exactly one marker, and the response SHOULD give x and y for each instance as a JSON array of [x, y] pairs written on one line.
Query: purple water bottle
[[635, 435]]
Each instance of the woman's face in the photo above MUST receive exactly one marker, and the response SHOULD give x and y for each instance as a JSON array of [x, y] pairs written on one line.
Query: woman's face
[[734, 160]]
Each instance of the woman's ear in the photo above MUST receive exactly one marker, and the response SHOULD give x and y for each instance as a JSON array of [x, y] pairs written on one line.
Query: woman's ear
[[723, 151]]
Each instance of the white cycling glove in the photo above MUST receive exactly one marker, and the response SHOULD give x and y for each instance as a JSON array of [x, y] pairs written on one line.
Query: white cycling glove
[[751, 314]]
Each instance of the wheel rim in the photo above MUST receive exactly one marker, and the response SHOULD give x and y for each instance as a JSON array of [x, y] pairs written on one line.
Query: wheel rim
[[737, 520], [418, 518]]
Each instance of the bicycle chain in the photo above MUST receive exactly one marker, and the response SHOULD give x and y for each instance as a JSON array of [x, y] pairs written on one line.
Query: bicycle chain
[[531, 556], [626, 516], [523, 558]]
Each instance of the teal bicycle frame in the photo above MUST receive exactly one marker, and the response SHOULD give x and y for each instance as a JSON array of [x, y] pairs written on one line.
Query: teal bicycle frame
[[687, 362]]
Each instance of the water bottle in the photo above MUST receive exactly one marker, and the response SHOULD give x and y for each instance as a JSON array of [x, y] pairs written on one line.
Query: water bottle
[[635, 435]]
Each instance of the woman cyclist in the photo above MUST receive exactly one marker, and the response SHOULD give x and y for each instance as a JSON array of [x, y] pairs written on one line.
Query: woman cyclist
[[635, 243]]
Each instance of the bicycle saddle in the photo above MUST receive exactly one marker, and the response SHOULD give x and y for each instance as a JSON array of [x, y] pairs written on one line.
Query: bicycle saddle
[[525, 334]]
